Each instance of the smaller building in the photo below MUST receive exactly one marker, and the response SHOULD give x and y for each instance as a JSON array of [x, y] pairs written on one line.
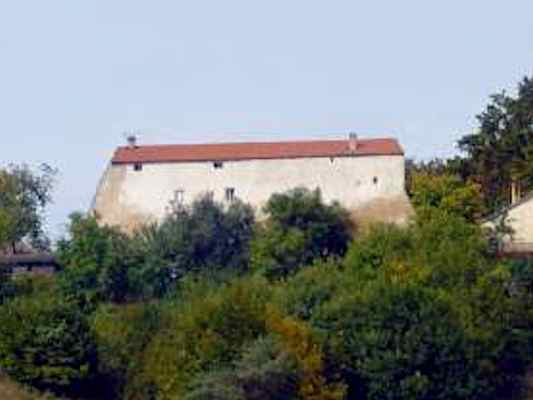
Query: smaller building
[[518, 218], [35, 264]]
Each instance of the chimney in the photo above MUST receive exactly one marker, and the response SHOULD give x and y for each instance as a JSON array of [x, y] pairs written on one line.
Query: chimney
[[132, 141], [353, 142], [515, 192]]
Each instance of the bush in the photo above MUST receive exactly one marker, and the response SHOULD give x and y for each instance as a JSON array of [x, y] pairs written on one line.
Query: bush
[[205, 236], [453, 251], [447, 193], [204, 330], [45, 342], [301, 294], [121, 333], [96, 260], [263, 371], [380, 245], [400, 339], [407, 316], [300, 228], [396, 342]]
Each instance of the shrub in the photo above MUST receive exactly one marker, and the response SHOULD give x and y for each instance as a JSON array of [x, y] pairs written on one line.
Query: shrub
[[453, 251], [301, 294], [96, 260], [263, 371], [381, 244], [299, 340], [45, 342], [204, 330], [400, 340], [447, 193], [300, 228], [206, 235], [121, 333], [6, 285]]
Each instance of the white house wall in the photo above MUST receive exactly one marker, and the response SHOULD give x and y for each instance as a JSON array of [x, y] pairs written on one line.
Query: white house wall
[[127, 197], [519, 219]]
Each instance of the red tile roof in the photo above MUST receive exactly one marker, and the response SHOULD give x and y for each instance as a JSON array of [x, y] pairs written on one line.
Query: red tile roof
[[254, 151]]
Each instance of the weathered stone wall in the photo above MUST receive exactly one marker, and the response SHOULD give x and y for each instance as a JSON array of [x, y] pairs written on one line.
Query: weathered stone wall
[[371, 186]]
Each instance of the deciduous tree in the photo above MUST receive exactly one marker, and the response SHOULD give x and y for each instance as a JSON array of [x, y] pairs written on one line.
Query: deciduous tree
[[24, 194]]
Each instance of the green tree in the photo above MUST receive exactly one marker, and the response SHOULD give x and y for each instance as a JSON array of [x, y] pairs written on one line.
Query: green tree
[[121, 333], [45, 342], [448, 194], [436, 166], [501, 151], [4, 227], [264, 371], [205, 236], [96, 260], [204, 330], [299, 229], [24, 194]]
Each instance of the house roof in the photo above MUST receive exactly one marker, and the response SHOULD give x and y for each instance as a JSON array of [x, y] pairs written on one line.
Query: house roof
[[526, 199], [28, 259], [254, 151]]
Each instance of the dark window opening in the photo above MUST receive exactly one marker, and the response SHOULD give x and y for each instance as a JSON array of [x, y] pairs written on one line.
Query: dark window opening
[[218, 164], [375, 180], [230, 194], [137, 167]]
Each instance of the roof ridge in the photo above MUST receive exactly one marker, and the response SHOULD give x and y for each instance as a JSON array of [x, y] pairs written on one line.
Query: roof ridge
[[296, 141], [238, 151]]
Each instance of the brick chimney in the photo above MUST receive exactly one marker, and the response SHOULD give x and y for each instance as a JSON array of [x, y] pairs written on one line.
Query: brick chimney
[[132, 141], [353, 142]]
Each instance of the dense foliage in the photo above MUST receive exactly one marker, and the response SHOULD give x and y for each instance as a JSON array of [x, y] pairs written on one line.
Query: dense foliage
[[299, 229], [24, 195], [95, 261], [446, 193], [207, 236], [421, 311], [104, 264], [45, 341], [209, 304], [501, 150], [497, 155]]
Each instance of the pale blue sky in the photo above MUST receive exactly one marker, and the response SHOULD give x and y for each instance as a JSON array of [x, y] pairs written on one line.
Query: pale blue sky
[[75, 74]]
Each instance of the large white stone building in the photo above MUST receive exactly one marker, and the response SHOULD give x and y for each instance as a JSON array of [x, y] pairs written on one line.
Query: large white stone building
[[365, 176]]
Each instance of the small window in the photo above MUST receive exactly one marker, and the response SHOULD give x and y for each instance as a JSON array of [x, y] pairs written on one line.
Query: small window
[[230, 194], [375, 180], [218, 165], [137, 167]]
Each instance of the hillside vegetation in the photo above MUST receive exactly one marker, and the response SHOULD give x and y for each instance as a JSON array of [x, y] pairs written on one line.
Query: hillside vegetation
[[210, 304], [12, 391]]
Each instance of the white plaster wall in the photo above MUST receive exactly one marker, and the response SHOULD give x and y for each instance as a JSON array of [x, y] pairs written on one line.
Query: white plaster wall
[[349, 180], [520, 219]]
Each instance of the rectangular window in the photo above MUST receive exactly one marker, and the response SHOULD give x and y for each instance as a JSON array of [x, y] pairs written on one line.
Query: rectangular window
[[179, 196], [230, 194], [218, 165], [137, 167]]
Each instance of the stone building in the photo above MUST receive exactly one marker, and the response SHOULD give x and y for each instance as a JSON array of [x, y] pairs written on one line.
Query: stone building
[[365, 176], [518, 216]]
